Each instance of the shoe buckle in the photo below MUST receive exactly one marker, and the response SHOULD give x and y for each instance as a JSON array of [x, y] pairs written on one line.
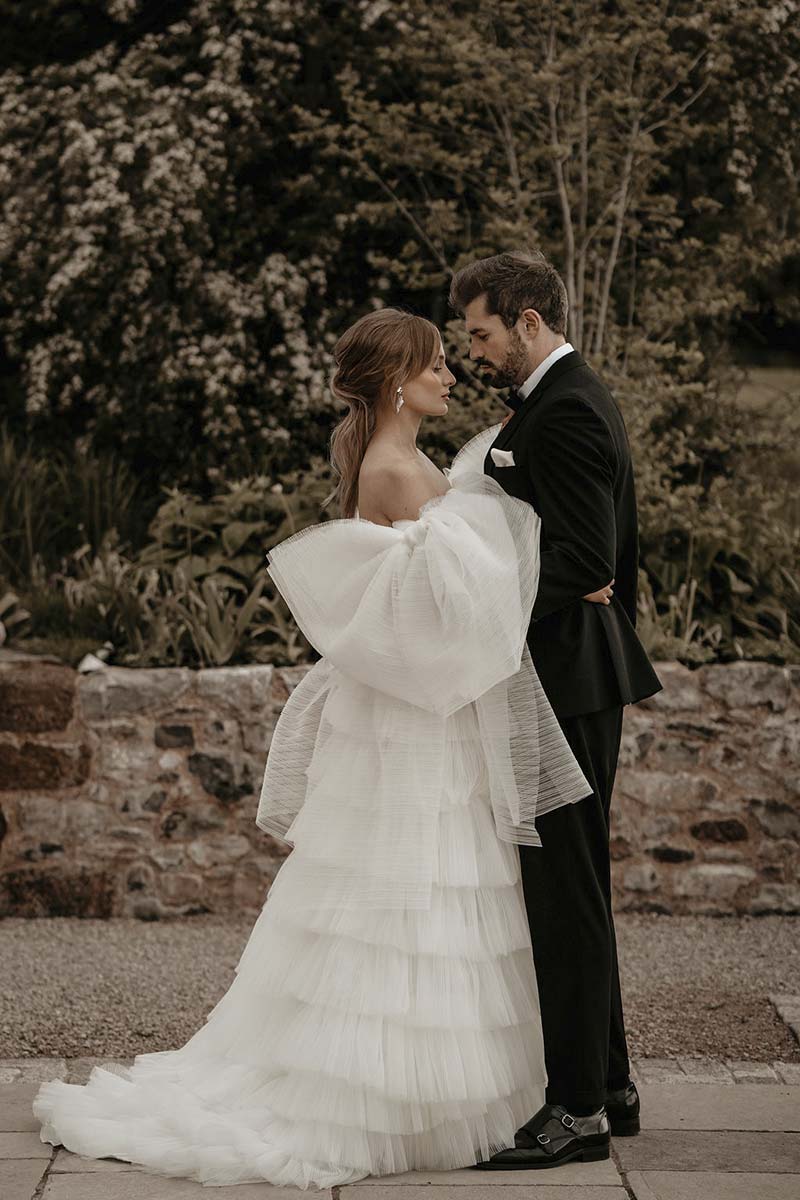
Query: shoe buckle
[[542, 1138], [568, 1121]]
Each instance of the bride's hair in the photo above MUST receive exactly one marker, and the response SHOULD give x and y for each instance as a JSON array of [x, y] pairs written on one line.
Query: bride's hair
[[372, 359]]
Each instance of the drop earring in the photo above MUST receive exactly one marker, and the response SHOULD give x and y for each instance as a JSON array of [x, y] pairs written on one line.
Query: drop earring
[[398, 404]]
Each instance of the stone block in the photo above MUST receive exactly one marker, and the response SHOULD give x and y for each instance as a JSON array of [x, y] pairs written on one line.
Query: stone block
[[675, 754], [747, 684], [217, 732], [746, 1106], [65, 1163], [84, 818], [36, 697], [40, 815], [285, 680], [121, 691], [33, 766], [781, 898], [716, 882], [37, 1070], [533, 1188], [180, 887], [776, 818], [120, 762], [239, 689], [659, 1070], [133, 1184], [720, 829], [705, 1070], [670, 854], [711, 1185], [211, 851], [598, 1174], [710, 1150], [642, 877], [20, 1177], [139, 877], [169, 737], [653, 826], [23, 1145], [752, 1072], [57, 892], [681, 692], [218, 777], [788, 1072], [673, 791]]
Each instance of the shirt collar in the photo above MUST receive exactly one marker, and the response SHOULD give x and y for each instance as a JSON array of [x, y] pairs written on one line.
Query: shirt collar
[[536, 376]]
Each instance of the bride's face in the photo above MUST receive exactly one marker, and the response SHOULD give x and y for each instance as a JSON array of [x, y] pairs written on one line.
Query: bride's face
[[427, 394]]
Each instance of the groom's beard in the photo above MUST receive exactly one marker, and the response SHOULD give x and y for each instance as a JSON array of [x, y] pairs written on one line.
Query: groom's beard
[[513, 370]]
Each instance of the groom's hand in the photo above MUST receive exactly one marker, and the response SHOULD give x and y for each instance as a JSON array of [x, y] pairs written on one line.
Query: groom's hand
[[603, 596]]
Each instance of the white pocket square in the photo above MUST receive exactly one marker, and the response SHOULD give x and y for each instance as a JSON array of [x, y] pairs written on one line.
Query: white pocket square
[[502, 458]]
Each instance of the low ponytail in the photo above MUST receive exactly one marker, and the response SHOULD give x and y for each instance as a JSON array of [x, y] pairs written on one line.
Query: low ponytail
[[372, 358]]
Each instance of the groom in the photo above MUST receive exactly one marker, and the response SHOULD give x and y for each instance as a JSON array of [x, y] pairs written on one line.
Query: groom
[[564, 450]]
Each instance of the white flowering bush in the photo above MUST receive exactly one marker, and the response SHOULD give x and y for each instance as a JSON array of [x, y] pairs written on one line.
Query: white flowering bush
[[197, 196], [147, 293]]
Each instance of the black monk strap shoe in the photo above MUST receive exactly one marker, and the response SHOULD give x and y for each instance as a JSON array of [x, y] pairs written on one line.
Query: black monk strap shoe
[[553, 1137], [622, 1107]]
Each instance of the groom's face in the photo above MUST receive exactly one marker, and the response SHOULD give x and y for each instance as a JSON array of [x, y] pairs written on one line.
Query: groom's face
[[499, 353]]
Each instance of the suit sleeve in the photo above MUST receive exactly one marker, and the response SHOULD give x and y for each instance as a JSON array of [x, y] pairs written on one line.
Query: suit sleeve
[[572, 465]]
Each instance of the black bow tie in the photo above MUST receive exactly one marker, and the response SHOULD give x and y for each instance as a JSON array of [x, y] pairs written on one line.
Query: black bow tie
[[514, 400]]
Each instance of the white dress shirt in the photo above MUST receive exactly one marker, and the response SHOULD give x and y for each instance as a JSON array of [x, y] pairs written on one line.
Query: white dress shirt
[[530, 383]]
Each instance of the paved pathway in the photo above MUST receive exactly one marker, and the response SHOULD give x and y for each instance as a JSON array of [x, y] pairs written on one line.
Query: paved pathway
[[711, 1131]]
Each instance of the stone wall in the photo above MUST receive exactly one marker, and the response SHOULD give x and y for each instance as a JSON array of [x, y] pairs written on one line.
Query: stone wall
[[134, 792]]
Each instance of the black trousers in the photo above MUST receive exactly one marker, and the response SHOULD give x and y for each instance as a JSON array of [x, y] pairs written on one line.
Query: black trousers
[[567, 886]]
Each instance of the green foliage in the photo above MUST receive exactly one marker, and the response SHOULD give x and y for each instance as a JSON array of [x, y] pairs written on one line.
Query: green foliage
[[12, 615], [195, 199], [51, 503], [197, 594]]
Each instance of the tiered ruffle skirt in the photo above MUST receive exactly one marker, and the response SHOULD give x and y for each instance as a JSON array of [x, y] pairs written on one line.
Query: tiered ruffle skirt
[[353, 1041]]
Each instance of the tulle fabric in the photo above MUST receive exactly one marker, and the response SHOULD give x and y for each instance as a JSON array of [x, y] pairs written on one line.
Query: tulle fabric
[[384, 1014], [351, 1042], [416, 623]]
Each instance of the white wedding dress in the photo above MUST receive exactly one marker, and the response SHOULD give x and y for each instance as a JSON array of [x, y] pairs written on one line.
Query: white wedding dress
[[384, 1016]]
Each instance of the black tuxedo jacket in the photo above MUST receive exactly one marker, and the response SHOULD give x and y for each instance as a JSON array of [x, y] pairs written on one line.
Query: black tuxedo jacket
[[572, 462]]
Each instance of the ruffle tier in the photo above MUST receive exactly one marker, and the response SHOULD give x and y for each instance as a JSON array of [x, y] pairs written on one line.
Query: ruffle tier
[[352, 1041]]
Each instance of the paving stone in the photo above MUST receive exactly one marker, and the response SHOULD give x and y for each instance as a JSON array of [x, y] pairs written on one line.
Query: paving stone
[[597, 1173], [73, 1164], [35, 1070], [788, 1006], [659, 1070], [711, 1185], [15, 1109], [79, 1069], [718, 1151], [9, 1074], [705, 1070], [23, 1145], [19, 1177], [720, 1106], [534, 1188], [788, 1072], [18, 1092], [133, 1185], [752, 1072]]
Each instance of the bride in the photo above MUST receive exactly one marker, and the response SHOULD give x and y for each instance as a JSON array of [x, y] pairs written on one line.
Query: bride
[[384, 1015]]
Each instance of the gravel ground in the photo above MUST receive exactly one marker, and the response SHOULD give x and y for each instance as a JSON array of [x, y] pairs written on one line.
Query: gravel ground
[[68, 988]]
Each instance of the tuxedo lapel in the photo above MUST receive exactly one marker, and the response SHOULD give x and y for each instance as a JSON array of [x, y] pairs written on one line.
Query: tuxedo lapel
[[564, 365]]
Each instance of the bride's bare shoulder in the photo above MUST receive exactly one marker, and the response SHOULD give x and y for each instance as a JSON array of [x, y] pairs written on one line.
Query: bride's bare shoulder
[[393, 487]]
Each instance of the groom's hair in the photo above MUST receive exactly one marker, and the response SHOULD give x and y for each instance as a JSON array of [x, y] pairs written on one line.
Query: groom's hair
[[512, 282]]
